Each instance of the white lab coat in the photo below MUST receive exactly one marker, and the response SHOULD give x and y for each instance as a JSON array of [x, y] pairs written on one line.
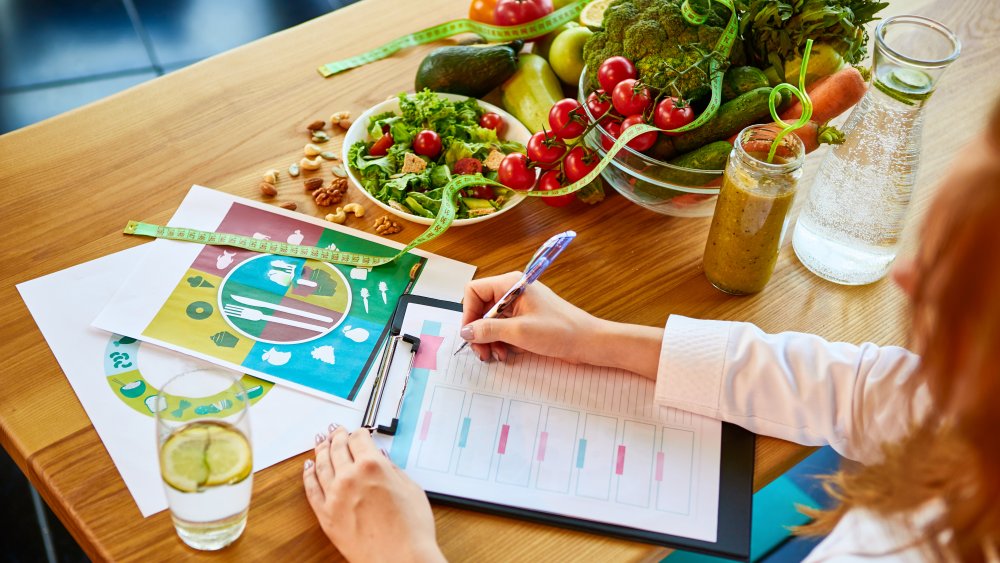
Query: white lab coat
[[801, 388]]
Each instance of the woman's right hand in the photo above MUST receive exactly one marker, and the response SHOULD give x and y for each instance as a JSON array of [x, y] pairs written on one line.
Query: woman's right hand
[[539, 321]]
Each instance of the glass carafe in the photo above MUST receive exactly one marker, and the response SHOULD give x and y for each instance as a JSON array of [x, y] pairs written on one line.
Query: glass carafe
[[849, 227]]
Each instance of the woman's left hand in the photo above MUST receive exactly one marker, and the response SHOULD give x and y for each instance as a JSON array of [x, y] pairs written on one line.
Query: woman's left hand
[[367, 506]]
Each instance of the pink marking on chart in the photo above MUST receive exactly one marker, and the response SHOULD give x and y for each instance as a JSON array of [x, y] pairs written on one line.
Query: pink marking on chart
[[425, 426], [542, 440], [504, 431], [659, 466], [427, 354], [620, 464]]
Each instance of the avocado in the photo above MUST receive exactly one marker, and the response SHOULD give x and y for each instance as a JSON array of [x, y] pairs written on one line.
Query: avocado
[[468, 70]]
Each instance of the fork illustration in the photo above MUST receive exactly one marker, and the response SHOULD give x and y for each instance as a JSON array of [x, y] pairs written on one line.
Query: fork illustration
[[251, 314]]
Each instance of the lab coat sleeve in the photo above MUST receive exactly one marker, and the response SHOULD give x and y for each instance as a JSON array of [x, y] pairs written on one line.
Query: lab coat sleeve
[[792, 386]]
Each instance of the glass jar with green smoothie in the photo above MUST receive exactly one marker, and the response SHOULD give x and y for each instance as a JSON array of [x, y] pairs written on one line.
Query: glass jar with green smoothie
[[751, 215]]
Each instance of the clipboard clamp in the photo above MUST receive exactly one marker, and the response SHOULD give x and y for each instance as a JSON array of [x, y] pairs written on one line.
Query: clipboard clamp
[[375, 402]]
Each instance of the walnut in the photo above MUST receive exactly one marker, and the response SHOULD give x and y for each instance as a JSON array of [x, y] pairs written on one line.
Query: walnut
[[325, 197], [385, 226], [339, 183]]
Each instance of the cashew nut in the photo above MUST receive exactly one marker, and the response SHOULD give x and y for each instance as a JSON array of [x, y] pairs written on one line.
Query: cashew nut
[[355, 208], [339, 217], [271, 176], [313, 164], [312, 149]]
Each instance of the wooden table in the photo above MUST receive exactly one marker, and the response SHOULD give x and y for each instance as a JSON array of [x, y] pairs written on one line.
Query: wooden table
[[70, 183]]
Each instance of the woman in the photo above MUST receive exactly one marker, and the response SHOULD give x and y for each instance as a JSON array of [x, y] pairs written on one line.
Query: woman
[[926, 429]]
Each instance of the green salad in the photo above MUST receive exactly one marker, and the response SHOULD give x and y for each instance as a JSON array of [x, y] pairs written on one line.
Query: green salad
[[413, 154]]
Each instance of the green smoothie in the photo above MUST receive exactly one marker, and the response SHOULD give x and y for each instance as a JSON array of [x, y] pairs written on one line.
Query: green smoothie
[[749, 222]]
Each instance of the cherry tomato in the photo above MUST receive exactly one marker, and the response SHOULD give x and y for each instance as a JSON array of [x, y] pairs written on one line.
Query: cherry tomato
[[544, 148], [467, 165], [613, 70], [672, 113], [493, 121], [567, 118], [514, 172], [427, 143], [628, 101], [382, 145], [482, 192], [579, 162], [599, 104], [516, 12], [552, 181], [482, 11], [614, 128], [642, 142]]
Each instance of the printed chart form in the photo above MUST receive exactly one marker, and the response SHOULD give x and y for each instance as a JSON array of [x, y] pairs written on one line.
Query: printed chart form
[[517, 443], [595, 458], [478, 436], [566, 439], [556, 445]]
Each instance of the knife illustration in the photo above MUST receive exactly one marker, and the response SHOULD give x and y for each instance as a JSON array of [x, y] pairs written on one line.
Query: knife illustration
[[282, 308]]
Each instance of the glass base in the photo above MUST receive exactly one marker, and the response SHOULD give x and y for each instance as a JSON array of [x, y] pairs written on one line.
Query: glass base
[[840, 263], [211, 536]]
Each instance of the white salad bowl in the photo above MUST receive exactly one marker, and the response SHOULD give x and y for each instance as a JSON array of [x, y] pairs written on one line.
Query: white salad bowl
[[359, 132]]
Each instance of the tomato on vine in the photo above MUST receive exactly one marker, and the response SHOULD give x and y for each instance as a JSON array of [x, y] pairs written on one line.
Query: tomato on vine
[[599, 104], [631, 97], [613, 70], [672, 113], [613, 129], [552, 180], [579, 162], [567, 119], [515, 173], [642, 142], [545, 149]]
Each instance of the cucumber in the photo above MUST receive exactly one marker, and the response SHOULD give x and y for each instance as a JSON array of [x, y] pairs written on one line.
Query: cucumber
[[731, 118], [742, 79], [530, 93], [712, 156], [468, 70]]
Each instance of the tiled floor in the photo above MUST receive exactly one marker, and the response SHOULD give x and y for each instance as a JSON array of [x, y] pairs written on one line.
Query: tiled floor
[[56, 55]]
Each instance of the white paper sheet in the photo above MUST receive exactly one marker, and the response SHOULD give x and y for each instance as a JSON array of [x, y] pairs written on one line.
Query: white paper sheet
[[544, 435], [179, 297], [283, 421]]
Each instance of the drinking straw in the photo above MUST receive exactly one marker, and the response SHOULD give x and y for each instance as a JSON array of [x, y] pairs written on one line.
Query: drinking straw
[[800, 93]]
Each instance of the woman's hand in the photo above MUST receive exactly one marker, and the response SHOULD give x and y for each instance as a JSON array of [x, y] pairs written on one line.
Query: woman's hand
[[539, 321], [543, 323], [367, 506]]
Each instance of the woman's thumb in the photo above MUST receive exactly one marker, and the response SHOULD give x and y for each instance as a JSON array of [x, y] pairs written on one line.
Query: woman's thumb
[[485, 331]]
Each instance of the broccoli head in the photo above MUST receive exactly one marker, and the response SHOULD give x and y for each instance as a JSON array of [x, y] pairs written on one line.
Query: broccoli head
[[669, 53]]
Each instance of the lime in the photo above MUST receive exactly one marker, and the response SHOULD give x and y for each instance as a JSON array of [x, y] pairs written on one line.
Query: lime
[[205, 454], [593, 14]]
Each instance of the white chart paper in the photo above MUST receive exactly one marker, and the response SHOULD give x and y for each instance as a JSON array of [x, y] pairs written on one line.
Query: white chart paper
[[545, 435]]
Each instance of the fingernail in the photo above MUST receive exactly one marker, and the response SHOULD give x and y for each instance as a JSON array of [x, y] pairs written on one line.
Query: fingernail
[[319, 439], [385, 453], [495, 355], [333, 426], [466, 332], [308, 464]]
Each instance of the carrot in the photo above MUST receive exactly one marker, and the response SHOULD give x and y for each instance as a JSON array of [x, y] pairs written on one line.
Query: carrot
[[812, 135], [831, 96]]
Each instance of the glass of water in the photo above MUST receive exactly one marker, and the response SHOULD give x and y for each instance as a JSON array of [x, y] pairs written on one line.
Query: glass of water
[[206, 463]]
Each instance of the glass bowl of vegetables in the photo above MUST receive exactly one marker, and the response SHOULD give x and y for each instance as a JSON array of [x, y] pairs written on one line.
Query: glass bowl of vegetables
[[657, 179], [402, 152]]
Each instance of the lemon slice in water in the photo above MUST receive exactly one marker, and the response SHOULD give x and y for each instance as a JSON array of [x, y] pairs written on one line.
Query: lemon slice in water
[[593, 14], [205, 454]]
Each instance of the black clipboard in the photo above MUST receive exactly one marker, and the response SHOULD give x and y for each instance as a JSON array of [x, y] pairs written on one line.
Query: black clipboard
[[735, 486]]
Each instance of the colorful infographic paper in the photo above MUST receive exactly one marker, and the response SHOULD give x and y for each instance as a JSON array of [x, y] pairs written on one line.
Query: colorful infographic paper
[[116, 379], [308, 324], [541, 434]]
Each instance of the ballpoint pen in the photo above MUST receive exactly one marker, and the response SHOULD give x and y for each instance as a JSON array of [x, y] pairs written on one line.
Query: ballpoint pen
[[542, 259]]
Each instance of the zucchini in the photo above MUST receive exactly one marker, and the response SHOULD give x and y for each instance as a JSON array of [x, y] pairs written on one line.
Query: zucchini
[[468, 70], [712, 156], [530, 93], [742, 79], [731, 118]]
